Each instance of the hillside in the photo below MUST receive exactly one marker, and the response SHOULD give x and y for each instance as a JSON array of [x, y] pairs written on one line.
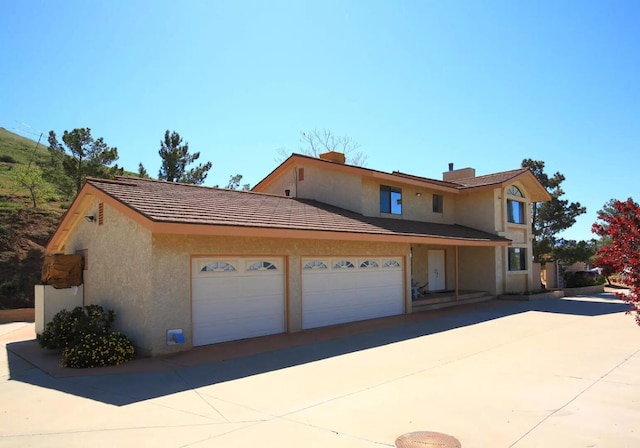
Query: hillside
[[24, 231]]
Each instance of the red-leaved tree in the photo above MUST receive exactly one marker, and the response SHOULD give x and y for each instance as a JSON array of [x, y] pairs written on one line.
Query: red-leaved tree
[[623, 254]]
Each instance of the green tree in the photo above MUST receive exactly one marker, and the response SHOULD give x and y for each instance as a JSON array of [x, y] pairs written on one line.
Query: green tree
[[175, 159], [80, 155], [142, 172], [571, 251], [31, 179], [234, 183], [551, 217]]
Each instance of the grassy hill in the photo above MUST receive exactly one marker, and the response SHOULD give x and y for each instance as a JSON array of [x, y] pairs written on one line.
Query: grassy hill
[[24, 230]]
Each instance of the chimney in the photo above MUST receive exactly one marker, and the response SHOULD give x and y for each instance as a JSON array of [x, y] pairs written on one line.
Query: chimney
[[333, 156], [453, 175]]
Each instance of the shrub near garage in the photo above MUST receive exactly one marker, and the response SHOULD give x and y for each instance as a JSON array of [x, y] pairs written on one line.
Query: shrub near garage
[[98, 350], [68, 327], [84, 337]]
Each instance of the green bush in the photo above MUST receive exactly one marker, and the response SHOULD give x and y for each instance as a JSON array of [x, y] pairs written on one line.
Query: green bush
[[580, 279], [98, 350], [68, 327], [84, 337]]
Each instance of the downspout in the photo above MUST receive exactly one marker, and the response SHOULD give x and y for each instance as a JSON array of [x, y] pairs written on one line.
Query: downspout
[[504, 249], [456, 272]]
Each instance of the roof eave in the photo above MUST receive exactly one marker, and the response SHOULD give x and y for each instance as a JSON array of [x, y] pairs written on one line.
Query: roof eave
[[335, 166]]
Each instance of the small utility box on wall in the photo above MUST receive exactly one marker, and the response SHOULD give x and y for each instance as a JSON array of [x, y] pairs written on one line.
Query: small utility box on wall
[[50, 301]]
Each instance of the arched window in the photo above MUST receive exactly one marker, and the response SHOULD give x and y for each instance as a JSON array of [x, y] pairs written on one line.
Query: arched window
[[391, 264], [344, 264], [369, 264], [514, 191], [262, 266], [218, 266], [315, 264], [515, 209]]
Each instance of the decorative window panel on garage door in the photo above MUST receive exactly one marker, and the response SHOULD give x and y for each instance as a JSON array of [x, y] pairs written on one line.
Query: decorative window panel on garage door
[[237, 298], [349, 289]]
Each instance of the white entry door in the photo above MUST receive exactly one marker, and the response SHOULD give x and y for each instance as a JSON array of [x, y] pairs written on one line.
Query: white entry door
[[348, 289], [237, 298], [436, 270]]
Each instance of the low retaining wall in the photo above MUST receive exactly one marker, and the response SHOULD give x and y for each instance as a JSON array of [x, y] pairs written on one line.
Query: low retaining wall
[[526, 297], [556, 294], [596, 289], [17, 315]]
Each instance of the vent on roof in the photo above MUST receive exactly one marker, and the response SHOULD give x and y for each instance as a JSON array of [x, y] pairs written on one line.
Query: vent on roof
[[333, 156]]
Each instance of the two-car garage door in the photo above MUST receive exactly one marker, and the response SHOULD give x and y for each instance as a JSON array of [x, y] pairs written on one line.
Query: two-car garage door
[[240, 297], [237, 298], [348, 289]]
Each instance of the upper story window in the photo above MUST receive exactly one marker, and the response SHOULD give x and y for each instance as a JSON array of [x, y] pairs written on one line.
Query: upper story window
[[438, 203], [517, 259], [514, 191], [515, 208], [390, 200]]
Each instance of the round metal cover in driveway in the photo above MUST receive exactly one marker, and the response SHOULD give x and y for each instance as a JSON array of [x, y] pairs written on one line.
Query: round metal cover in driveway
[[427, 439]]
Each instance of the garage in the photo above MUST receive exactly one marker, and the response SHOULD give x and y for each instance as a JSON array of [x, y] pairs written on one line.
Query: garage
[[347, 289], [237, 298]]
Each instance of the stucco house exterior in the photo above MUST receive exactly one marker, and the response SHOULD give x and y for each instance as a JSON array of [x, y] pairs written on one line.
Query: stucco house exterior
[[317, 242]]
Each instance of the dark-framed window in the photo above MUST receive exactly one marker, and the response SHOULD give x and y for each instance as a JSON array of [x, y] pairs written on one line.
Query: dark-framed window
[[438, 203], [515, 211], [390, 200], [517, 259]]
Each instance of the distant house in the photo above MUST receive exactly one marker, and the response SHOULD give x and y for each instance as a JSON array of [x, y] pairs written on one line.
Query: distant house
[[317, 242]]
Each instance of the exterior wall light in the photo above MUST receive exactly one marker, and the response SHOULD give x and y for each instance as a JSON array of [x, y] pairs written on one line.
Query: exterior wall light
[[90, 218]]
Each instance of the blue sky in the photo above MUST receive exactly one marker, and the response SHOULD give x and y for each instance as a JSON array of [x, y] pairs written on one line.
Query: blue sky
[[418, 84]]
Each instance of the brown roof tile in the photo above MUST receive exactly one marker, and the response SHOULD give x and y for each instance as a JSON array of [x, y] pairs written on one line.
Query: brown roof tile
[[189, 204], [489, 179]]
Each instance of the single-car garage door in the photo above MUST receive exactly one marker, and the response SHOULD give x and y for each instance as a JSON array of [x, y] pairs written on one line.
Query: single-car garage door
[[237, 298], [347, 289]]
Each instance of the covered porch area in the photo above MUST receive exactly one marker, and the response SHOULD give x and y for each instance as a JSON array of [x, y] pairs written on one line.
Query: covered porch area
[[454, 274]]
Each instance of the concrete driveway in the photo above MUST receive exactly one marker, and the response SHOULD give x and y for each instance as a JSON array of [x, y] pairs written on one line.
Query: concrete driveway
[[549, 373]]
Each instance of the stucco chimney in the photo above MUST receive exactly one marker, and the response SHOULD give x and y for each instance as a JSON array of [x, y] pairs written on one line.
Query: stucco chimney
[[333, 156], [463, 173]]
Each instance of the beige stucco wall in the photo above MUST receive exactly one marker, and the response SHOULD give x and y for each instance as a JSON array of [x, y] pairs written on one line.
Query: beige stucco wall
[[336, 188], [477, 269], [414, 207], [172, 274], [119, 270], [287, 181], [480, 210], [518, 282]]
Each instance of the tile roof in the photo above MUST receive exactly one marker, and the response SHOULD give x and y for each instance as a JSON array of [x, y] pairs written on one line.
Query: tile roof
[[489, 179], [169, 202], [426, 179], [469, 182]]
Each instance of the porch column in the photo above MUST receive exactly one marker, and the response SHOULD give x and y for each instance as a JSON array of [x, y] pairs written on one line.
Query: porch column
[[456, 272]]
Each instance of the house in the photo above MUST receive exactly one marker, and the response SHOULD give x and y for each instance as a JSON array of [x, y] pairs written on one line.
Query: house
[[317, 242]]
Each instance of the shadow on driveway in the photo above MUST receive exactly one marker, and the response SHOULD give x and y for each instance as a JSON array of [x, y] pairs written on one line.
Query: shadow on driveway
[[121, 389]]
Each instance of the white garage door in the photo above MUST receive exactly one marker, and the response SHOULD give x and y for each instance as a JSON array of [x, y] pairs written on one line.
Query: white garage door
[[343, 290], [237, 298]]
